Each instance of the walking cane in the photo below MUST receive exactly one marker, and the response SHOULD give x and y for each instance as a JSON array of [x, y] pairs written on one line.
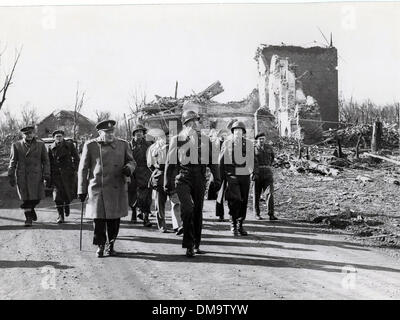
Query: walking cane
[[80, 237]]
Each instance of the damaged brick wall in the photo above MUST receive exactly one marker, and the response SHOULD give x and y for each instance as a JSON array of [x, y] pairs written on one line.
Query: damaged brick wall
[[316, 73]]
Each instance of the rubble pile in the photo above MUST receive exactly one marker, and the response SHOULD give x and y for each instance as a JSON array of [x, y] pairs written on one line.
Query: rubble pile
[[170, 105], [349, 136]]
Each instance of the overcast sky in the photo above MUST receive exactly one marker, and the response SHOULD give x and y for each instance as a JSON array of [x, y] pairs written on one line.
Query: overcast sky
[[111, 50]]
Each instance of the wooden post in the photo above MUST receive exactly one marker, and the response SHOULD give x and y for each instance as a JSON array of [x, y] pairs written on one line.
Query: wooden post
[[126, 127], [176, 89], [376, 136], [358, 146]]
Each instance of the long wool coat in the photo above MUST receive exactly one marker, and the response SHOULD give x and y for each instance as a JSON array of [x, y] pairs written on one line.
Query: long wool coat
[[64, 161], [100, 176], [30, 164]]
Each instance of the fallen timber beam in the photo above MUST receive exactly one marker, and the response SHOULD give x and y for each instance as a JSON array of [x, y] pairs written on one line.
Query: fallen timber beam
[[383, 158]]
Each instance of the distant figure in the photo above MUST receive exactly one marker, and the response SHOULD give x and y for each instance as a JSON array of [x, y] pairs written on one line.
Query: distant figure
[[64, 162], [28, 168], [104, 170]]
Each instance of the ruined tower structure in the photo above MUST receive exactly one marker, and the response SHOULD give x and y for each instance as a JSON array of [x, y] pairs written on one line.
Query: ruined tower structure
[[299, 86]]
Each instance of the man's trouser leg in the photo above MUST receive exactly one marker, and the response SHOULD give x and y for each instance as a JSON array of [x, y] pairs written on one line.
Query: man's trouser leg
[[60, 210], [161, 199], [198, 199], [132, 197], [219, 210], [256, 196], [270, 199], [244, 184], [187, 208], [175, 211], [100, 236], [112, 229]]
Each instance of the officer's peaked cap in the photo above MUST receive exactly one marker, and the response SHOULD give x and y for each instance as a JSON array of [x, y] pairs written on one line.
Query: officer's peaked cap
[[27, 129], [58, 132], [106, 125]]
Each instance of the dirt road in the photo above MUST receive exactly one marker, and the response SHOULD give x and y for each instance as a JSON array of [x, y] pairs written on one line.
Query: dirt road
[[278, 260]]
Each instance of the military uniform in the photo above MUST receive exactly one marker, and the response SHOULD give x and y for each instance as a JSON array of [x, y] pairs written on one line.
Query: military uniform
[[263, 178], [103, 172], [185, 156], [156, 158], [236, 173], [64, 162], [29, 166], [139, 191]]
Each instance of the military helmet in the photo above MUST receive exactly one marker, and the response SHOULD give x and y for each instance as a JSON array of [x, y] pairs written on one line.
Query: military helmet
[[139, 127], [189, 115], [238, 124]]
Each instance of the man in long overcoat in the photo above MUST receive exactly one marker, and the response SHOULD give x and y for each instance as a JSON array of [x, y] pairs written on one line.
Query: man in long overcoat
[[104, 170], [28, 168], [64, 162]]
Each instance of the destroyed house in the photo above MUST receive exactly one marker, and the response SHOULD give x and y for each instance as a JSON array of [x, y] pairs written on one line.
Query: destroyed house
[[299, 86]]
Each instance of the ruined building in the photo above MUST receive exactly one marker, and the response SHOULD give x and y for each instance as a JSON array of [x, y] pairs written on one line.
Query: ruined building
[[299, 87]]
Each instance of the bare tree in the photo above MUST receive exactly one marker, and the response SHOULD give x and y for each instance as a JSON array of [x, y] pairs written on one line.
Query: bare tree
[[79, 100], [8, 78], [29, 115], [102, 115], [137, 99]]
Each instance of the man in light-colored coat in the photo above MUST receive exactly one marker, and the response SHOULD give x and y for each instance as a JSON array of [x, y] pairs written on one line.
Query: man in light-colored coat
[[104, 170], [28, 168]]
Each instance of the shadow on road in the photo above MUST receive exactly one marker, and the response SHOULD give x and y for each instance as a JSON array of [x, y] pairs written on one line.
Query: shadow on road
[[255, 260], [32, 264]]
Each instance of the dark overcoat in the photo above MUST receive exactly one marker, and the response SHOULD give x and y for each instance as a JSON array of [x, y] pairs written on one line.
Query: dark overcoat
[[29, 163], [64, 162]]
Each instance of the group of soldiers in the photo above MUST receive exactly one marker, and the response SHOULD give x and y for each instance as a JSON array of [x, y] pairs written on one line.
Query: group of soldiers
[[113, 174]]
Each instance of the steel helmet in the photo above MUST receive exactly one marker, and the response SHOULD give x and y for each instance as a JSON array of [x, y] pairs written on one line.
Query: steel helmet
[[189, 115], [238, 124]]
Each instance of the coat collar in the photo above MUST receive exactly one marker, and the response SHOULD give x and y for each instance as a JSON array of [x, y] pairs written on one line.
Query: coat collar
[[103, 143]]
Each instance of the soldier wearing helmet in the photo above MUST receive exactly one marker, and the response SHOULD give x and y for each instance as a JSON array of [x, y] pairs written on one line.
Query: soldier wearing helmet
[[188, 157], [139, 191], [237, 162]]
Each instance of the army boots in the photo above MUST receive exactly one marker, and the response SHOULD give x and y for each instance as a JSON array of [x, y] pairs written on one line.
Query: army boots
[[240, 229], [60, 210], [28, 219], [234, 227], [100, 251], [110, 249], [146, 221]]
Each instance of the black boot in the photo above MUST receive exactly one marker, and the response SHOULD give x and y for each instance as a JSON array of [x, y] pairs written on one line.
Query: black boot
[[33, 215], [28, 219], [189, 252], [66, 209], [110, 249], [100, 251], [234, 228], [146, 221], [241, 231], [60, 210], [133, 218]]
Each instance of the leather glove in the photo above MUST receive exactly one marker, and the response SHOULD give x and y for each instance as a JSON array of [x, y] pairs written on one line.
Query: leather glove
[[82, 196], [126, 171], [168, 188], [12, 182]]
